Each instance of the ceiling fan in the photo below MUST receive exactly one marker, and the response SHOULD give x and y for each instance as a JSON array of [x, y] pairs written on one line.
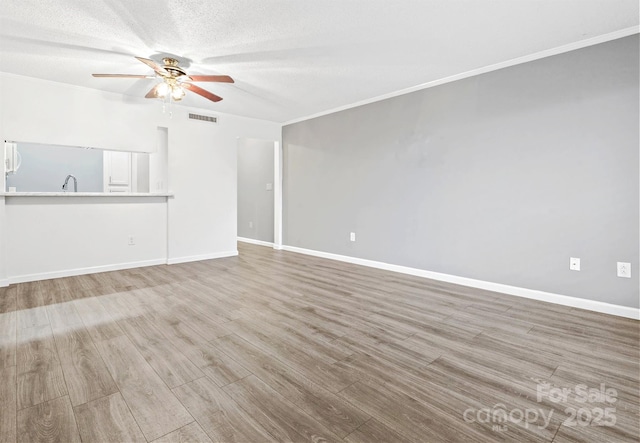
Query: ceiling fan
[[174, 80]]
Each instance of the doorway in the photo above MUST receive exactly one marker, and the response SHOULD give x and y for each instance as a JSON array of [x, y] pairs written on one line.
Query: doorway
[[257, 187]]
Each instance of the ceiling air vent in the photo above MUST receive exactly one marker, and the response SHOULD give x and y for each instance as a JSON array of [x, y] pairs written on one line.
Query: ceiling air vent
[[204, 118]]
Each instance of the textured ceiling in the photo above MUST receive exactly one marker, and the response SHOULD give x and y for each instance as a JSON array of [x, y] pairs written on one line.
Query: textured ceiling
[[290, 58]]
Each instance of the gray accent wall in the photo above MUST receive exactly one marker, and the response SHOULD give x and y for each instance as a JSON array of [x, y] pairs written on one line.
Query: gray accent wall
[[500, 177], [255, 202]]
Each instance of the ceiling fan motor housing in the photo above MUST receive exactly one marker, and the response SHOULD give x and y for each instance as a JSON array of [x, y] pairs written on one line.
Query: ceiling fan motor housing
[[171, 66]]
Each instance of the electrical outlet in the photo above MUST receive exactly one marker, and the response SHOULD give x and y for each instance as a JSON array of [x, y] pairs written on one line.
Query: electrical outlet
[[574, 264], [352, 236], [131, 240], [624, 269], [250, 224]]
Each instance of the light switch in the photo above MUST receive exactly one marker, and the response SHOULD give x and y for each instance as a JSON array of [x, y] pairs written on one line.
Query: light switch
[[269, 186]]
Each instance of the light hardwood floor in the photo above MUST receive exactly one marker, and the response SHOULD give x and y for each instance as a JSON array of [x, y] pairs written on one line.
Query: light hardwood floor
[[276, 346]]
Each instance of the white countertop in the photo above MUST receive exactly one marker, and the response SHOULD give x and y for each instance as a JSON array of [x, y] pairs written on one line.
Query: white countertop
[[86, 194]]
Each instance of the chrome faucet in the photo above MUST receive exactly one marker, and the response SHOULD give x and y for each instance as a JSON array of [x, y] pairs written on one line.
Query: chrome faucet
[[66, 182]]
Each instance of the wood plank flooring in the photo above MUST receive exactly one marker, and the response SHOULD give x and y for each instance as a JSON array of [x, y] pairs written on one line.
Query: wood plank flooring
[[277, 346]]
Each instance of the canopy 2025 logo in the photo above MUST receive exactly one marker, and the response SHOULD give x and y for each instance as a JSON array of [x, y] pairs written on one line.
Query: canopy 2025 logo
[[585, 406]]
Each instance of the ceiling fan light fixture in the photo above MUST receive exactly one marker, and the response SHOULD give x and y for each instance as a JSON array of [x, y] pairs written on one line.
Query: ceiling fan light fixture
[[162, 90], [177, 93]]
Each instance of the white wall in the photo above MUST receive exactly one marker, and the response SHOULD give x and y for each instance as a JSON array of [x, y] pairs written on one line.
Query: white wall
[[3, 249], [39, 111], [55, 236], [159, 163], [200, 219], [203, 176]]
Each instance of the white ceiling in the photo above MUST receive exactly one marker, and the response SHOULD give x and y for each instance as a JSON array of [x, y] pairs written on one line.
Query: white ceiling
[[291, 58]]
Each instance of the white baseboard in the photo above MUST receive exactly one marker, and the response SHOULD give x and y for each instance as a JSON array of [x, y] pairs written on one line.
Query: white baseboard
[[83, 271], [115, 267], [175, 261], [591, 305], [255, 242]]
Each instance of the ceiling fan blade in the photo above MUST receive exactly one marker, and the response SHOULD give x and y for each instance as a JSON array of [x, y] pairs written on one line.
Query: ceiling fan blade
[[123, 75], [211, 78], [198, 90], [153, 93], [156, 67]]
